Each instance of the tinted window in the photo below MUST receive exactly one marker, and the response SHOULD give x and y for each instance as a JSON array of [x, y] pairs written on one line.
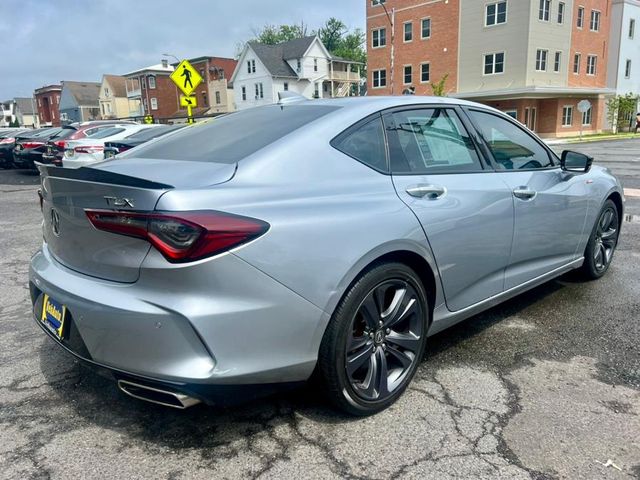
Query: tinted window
[[365, 143], [431, 140], [230, 138], [64, 133], [512, 147], [107, 132]]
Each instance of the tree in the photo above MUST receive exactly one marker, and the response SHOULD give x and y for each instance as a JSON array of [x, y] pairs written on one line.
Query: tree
[[272, 34], [14, 123], [438, 87], [331, 35], [620, 111]]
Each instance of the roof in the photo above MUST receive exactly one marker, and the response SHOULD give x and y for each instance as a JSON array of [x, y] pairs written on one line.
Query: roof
[[534, 92], [158, 67], [118, 84], [297, 47], [274, 57], [25, 105], [85, 93]]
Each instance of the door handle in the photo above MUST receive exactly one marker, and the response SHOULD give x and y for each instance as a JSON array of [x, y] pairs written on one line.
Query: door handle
[[524, 193], [429, 191]]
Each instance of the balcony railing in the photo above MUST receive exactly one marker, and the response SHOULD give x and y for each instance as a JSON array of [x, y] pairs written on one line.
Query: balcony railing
[[133, 93], [344, 76]]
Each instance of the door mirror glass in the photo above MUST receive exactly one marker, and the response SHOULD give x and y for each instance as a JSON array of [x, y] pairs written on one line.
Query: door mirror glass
[[575, 162]]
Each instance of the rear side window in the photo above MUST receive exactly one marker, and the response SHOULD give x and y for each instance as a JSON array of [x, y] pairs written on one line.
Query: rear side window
[[230, 138], [430, 140], [365, 143]]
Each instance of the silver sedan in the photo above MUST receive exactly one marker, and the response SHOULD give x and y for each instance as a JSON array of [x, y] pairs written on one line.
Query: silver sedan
[[243, 254]]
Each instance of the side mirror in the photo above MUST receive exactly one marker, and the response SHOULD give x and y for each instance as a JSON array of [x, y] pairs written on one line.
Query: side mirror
[[575, 162]]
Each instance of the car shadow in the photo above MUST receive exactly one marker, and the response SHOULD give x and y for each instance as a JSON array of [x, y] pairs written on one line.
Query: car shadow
[[96, 398]]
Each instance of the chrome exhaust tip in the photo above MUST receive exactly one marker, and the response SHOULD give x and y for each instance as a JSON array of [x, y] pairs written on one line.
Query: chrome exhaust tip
[[156, 395]]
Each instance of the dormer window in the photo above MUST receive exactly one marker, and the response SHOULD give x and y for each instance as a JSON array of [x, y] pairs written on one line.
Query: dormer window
[[315, 64], [298, 65]]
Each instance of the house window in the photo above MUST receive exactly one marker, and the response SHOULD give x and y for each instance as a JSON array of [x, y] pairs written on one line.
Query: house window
[[298, 65], [594, 26], [576, 63], [561, 6], [286, 86], [408, 74], [567, 116], [248, 66], [244, 93], [586, 117], [495, 13], [57, 99], [379, 78], [424, 72], [259, 91], [205, 100], [541, 60], [251, 66], [152, 81], [632, 28], [154, 103], [557, 62], [315, 64], [316, 90], [580, 22], [145, 104], [543, 11], [408, 31], [426, 28], [494, 63], [218, 99], [379, 37], [591, 64], [627, 69], [106, 92]]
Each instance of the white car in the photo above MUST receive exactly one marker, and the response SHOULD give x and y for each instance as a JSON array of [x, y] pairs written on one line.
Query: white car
[[89, 150]]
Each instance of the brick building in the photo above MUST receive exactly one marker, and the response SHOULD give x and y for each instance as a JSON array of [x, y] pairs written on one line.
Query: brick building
[[150, 91], [533, 59], [48, 103]]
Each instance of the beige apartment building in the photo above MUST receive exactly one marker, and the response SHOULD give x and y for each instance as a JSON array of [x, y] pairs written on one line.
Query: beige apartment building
[[533, 59], [113, 97]]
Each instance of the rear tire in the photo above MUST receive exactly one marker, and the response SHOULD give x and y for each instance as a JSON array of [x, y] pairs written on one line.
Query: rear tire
[[602, 243], [375, 340]]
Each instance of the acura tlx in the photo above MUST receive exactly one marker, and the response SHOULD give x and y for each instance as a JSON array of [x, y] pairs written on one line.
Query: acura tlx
[[247, 253]]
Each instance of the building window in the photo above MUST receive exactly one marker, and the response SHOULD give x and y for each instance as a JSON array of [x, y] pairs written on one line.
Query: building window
[[259, 91], [316, 90], [379, 78], [154, 103], [286, 86], [424, 72], [494, 63], [576, 63], [425, 28], [594, 26], [315, 64], [567, 116], [557, 62], [632, 28], [251, 66], [408, 31], [408, 74], [218, 99], [205, 100], [591, 64], [145, 104], [586, 117], [543, 11], [248, 66], [580, 22], [244, 93], [561, 13], [152, 81], [627, 69], [541, 60], [495, 13], [379, 37], [298, 65]]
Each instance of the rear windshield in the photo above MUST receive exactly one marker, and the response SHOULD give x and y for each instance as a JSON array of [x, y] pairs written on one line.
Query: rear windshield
[[64, 133], [153, 132], [107, 132], [232, 137]]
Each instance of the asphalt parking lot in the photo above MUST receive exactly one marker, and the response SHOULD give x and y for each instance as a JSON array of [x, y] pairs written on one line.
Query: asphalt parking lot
[[546, 385]]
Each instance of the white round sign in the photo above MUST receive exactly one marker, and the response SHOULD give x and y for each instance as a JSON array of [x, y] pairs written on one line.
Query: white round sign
[[584, 106]]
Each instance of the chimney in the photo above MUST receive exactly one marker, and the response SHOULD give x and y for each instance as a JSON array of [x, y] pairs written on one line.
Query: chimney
[[165, 63]]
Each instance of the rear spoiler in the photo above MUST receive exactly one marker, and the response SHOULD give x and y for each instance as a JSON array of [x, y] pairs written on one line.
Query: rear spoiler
[[88, 174]]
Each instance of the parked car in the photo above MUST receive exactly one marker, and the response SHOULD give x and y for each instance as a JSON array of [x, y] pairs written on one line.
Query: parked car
[[54, 151], [78, 153], [7, 143], [114, 147], [329, 236], [30, 146]]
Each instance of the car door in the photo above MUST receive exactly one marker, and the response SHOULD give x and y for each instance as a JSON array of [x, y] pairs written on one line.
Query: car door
[[550, 205], [465, 209]]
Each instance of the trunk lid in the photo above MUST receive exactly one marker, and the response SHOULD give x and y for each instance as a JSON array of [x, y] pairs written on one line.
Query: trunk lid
[[112, 185]]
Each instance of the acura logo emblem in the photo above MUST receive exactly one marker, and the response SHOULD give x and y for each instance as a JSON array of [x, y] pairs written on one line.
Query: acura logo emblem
[[55, 222]]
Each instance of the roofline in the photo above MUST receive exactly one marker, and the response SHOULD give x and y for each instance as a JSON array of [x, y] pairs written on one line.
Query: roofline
[[533, 92]]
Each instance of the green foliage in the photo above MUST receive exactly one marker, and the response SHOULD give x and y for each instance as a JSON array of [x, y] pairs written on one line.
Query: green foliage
[[620, 110], [274, 34], [14, 123], [438, 88]]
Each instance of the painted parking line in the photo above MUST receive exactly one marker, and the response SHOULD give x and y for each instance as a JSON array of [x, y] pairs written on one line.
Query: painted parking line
[[632, 192]]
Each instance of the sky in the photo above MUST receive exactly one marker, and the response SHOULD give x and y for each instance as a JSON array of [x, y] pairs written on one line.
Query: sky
[[46, 41]]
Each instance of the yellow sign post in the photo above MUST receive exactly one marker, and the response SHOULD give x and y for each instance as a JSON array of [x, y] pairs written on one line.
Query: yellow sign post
[[187, 80]]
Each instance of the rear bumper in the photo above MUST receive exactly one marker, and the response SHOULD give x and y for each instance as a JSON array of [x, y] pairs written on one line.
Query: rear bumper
[[25, 160], [81, 160], [221, 323]]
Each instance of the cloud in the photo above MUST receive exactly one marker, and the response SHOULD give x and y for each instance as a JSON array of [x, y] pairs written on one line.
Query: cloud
[[48, 41]]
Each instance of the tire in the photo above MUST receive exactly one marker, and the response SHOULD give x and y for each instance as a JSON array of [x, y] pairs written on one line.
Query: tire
[[379, 326], [602, 243]]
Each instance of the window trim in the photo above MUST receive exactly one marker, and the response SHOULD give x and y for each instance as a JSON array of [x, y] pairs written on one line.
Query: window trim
[[497, 23], [590, 112], [404, 74], [595, 65], [632, 28], [352, 128], [542, 10], [580, 18], [546, 59], [422, 29], [578, 64], [557, 61], [404, 32], [504, 63], [425, 81], [562, 124], [564, 13], [373, 78], [379, 29], [627, 68], [593, 10]]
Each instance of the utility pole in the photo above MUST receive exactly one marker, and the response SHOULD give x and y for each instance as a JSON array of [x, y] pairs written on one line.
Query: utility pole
[[391, 17]]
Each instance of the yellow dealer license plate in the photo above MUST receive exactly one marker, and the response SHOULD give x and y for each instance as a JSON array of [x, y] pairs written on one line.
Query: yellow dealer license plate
[[53, 315]]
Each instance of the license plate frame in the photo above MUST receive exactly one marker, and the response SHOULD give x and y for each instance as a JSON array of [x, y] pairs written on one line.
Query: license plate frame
[[53, 316]]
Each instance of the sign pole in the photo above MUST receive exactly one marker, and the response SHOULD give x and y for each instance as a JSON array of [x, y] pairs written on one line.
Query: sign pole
[[189, 117]]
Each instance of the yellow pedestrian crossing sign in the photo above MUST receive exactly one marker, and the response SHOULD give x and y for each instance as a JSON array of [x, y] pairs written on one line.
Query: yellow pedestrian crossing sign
[[186, 77], [148, 119], [186, 101]]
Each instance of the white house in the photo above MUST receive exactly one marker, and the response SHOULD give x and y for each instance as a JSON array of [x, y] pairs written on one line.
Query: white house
[[623, 69], [302, 65]]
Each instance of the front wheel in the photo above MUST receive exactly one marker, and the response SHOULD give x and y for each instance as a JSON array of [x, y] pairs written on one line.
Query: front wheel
[[375, 340], [602, 242]]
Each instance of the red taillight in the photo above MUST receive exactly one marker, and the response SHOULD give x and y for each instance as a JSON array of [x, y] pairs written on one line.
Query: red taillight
[[8, 140], [89, 149], [32, 144], [182, 236], [59, 144]]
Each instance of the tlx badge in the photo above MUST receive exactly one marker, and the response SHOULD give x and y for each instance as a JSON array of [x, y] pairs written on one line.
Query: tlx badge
[[119, 202]]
